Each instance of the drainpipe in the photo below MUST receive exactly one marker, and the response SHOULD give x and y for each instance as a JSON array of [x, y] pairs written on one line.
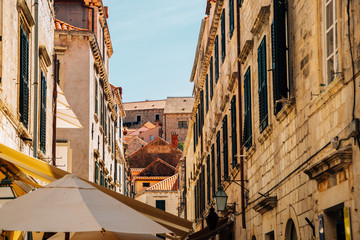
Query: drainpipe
[[240, 119], [55, 111], [36, 78]]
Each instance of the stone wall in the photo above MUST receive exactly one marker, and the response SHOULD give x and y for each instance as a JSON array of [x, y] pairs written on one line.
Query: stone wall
[[171, 125]]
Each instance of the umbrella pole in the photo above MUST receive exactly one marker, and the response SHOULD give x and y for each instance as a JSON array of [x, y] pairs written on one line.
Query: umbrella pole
[[67, 236]]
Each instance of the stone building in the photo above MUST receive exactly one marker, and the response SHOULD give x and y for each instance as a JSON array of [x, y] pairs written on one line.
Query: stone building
[[275, 120], [27, 79], [177, 112], [83, 47]]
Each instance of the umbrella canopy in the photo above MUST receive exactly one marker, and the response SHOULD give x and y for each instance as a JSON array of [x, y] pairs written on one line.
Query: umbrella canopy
[[65, 117], [104, 236], [72, 205]]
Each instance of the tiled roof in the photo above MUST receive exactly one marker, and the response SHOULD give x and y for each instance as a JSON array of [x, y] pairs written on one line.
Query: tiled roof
[[179, 105], [158, 168], [148, 178], [60, 25], [157, 104], [168, 184]]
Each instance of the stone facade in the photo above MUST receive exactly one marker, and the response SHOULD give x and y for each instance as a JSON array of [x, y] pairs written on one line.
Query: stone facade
[[17, 85], [300, 159]]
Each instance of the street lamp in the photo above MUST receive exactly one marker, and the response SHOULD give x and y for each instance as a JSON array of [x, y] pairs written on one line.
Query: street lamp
[[221, 199], [6, 191]]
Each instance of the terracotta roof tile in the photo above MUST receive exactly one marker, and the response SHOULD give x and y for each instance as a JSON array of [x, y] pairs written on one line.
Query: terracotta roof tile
[[60, 25], [168, 184]]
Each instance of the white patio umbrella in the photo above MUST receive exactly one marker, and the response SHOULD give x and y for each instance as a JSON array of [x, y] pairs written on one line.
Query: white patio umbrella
[[72, 205], [65, 117], [104, 236]]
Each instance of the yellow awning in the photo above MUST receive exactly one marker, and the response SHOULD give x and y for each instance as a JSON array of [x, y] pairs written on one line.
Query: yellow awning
[[20, 164]]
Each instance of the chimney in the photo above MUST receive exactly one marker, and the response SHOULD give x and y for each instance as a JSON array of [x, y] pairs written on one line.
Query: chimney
[[106, 9], [174, 140]]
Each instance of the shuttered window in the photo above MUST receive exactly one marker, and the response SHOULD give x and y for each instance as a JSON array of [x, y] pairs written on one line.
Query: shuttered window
[[96, 97], [223, 37], [216, 59], [233, 131], [218, 158], [96, 172], [43, 113], [102, 178], [213, 186], [201, 110], [279, 52], [57, 71], [225, 147], [202, 195], [262, 77], [24, 78], [195, 202], [247, 141], [231, 17], [194, 135], [207, 93], [211, 79], [102, 110], [208, 182]]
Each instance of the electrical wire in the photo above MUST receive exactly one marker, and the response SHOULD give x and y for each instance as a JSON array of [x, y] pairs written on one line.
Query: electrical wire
[[352, 58]]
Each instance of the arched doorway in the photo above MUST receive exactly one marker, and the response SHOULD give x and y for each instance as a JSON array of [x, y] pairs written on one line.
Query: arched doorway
[[290, 233]]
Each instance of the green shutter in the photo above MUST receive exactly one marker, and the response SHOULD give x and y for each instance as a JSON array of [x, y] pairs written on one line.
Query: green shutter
[[216, 59], [96, 97], [201, 110], [207, 93], [218, 158], [213, 190], [247, 137], [101, 110], [43, 114], [223, 37], [233, 131], [208, 178], [262, 75], [102, 178], [211, 79], [231, 17], [225, 147], [279, 62], [57, 71], [24, 78], [96, 172]]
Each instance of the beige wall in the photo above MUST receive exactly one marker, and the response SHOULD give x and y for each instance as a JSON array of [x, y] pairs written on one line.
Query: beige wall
[[171, 126]]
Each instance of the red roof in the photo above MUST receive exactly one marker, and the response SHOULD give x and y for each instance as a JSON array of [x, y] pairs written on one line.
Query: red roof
[[60, 25], [168, 184]]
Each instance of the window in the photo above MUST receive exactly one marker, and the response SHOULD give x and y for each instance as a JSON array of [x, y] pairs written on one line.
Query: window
[[247, 141], [43, 113], [160, 204], [225, 147], [279, 54], [138, 119], [201, 111], [262, 77], [157, 117], [233, 131], [290, 230], [211, 79], [151, 138], [231, 17], [223, 37], [182, 124], [24, 78], [106, 183], [102, 109], [207, 93], [218, 158], [216, 59], [208, 183], [96, 97], [331, 48], [213, 190], [57, 71], [96, 172], [202, 187], [270, 236], [102, 179], [146, 184]]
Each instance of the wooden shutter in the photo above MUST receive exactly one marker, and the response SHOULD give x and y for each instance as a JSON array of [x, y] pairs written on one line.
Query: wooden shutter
[[102, 178], [96, 96], [207, 93], [202, 195], [216, 59], [24, 78], [194, 133], [96, 172], [213, 170], [225, 147], [195, 201], [208, 183], [231, 17], [218, 158], [223, 37], [102, 110], [43, 114], [262, 75], [211, 79], [247, 141], [233, 132], [279, 48]]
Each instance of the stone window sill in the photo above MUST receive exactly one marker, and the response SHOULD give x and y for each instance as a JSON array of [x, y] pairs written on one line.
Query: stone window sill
[[284, 112], [265, 134], [96, 118]]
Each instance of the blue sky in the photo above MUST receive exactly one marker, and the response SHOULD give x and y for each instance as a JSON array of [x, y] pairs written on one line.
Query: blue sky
[[154, 45]]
